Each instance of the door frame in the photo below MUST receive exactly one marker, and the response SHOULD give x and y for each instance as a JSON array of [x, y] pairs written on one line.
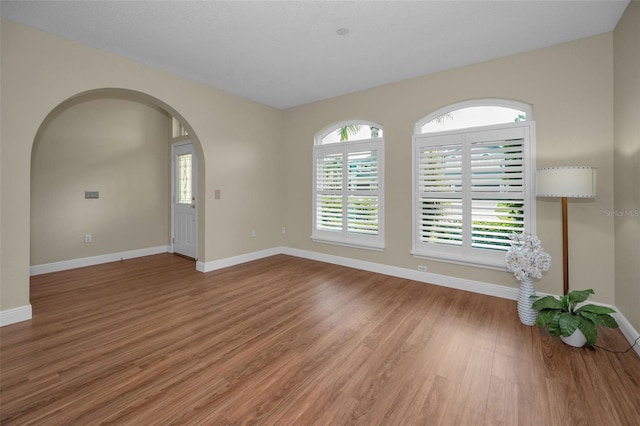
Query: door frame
[[173, 192]]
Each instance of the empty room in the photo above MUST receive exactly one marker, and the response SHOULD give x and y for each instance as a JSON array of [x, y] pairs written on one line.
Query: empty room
[[320, 212]]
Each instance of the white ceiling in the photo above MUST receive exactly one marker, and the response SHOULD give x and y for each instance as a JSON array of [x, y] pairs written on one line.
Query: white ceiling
[[288, 53]]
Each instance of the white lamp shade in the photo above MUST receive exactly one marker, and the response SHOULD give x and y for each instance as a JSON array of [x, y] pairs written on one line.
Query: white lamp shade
[[573, 182]]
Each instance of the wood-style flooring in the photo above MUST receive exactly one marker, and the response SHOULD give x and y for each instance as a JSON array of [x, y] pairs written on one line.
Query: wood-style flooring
[[289, 341]]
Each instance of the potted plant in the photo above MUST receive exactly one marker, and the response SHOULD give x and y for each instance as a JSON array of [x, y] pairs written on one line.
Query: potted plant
[[575, 325], [527, 260]]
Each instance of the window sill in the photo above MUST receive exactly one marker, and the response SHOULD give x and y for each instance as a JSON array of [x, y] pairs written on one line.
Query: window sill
[[354, 244], [497, 265]]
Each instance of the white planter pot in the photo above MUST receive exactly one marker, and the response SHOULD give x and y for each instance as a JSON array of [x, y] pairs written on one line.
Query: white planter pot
[[577, 339]]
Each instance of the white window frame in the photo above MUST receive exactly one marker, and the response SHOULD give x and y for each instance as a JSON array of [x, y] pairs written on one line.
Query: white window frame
[[466, 254], [344, 148]]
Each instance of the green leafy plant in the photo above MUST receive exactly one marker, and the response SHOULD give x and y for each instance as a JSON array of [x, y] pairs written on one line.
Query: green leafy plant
[[563, 317]]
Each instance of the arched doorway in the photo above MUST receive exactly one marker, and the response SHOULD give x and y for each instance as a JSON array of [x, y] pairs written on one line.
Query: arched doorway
[[103, 192]]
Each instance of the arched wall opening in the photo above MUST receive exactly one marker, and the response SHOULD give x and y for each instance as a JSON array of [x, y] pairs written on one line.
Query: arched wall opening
[[127, 163]]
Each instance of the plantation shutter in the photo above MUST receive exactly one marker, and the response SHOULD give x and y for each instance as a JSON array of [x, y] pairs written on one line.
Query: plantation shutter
[[348, 193], [363, 200], [329, 177], [440, 174], [497, 190], [471, 192]]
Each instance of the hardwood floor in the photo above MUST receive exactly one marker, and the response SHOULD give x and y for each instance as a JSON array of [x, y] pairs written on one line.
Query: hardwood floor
[[284, 341]]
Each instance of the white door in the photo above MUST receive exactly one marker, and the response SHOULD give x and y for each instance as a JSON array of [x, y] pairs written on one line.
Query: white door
[[184, 200]]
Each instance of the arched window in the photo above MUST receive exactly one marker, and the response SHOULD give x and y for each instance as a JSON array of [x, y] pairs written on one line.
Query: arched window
[[474, 113], [473, 166], [349, 131], [348, 195]]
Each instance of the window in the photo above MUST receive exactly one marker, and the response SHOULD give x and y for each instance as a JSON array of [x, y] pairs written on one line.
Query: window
[[473, 184], [473, 114], [183, 183], [348, 185]]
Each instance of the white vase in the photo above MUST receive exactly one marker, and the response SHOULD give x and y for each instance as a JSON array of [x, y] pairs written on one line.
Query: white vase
[[527, 314], [577, 339]]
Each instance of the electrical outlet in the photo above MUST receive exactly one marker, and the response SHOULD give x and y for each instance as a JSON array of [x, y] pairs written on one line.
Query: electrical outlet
[[253, 233], [422, 268], [282, 230], [87, 238]]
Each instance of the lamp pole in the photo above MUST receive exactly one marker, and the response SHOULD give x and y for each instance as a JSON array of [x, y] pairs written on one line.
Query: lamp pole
[[565, 247]]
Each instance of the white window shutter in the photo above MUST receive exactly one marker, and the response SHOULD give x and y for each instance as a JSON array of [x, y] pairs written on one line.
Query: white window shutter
[[348, 193], [472, 189], [440, 181], [329, 184], [363, 197], [497, 187]]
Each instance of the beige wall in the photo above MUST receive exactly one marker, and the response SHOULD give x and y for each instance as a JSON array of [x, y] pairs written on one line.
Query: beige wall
[[571, 89], [627, 162], [118, 147], [237, 141]]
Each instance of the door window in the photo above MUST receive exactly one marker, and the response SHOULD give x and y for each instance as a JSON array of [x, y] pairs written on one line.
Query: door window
[[185, 176]]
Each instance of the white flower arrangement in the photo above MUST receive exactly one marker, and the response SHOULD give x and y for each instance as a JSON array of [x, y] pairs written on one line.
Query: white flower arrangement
[[526, 258]]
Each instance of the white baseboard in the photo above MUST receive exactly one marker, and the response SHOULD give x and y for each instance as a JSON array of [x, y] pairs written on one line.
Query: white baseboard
[[627, 329], [236, 260], [425, 277], [95, 260], [12, 316]]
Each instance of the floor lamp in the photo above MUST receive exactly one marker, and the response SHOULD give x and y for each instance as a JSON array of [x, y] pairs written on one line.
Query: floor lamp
[[566, 182]]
